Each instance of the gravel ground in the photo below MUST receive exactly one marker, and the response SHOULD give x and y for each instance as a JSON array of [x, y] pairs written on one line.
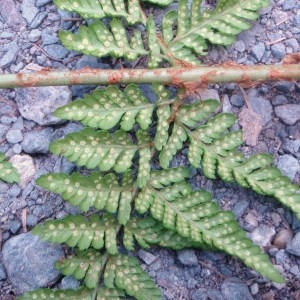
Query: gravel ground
[[28, 39]]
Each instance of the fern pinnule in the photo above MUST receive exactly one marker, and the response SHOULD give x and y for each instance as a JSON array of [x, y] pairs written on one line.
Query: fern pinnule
[[7, 172], [125, 273]]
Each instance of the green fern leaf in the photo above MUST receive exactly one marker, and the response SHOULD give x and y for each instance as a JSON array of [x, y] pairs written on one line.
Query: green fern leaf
[[109, 107], [147, 232], [47, 294], [78, 231], [97, 149], [125, 273], [194, 215], [7, 172], [97, 40], [103, 8], [91, 191], [83, 265]]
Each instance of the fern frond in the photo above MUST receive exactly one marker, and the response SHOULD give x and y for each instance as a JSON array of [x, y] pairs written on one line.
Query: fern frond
[[103, 8], [147, 232], [125, 273], [47, 294], [219, 26], [194, 215], [159, 2], [99, 40], [104, 109], [80, 232], [161, 136], [97, 149], [7, 172], [91, 191]]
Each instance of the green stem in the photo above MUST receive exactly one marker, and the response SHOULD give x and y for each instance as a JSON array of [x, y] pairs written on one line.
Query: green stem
[[189, 77]]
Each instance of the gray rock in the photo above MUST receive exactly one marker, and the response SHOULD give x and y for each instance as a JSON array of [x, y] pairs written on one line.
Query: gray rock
[[69, 282], [279, 100], [261, 106], [278, 50], [293, 43], [240, 208], [209, 94], [48, 39], [239, 46], [65, 15], [25, 167], [6, 35], [37, 141], [237, 100], [29, 11], [296, 20], [288, 165], [57, 51], [294, 246], [146, 256], [187, 257], [31, 220], [285, 86], [279, 15], [292, 146], [34, 35], [14, 191], [289, 4], [29, 262], [38, 103], [2, 272], [39, 18], [39, 3], [3, 130], [235, 289], [10, 56], [14, 136], [288, 113], [295, 270], [262, 235], [14, 226], [281, 257], [11, 16], [258, 51]]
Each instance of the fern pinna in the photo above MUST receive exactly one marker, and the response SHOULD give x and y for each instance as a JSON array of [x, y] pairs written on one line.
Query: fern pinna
[[129, 201]]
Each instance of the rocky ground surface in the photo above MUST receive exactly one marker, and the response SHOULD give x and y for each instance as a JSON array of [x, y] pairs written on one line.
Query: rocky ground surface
[[28, 39]]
